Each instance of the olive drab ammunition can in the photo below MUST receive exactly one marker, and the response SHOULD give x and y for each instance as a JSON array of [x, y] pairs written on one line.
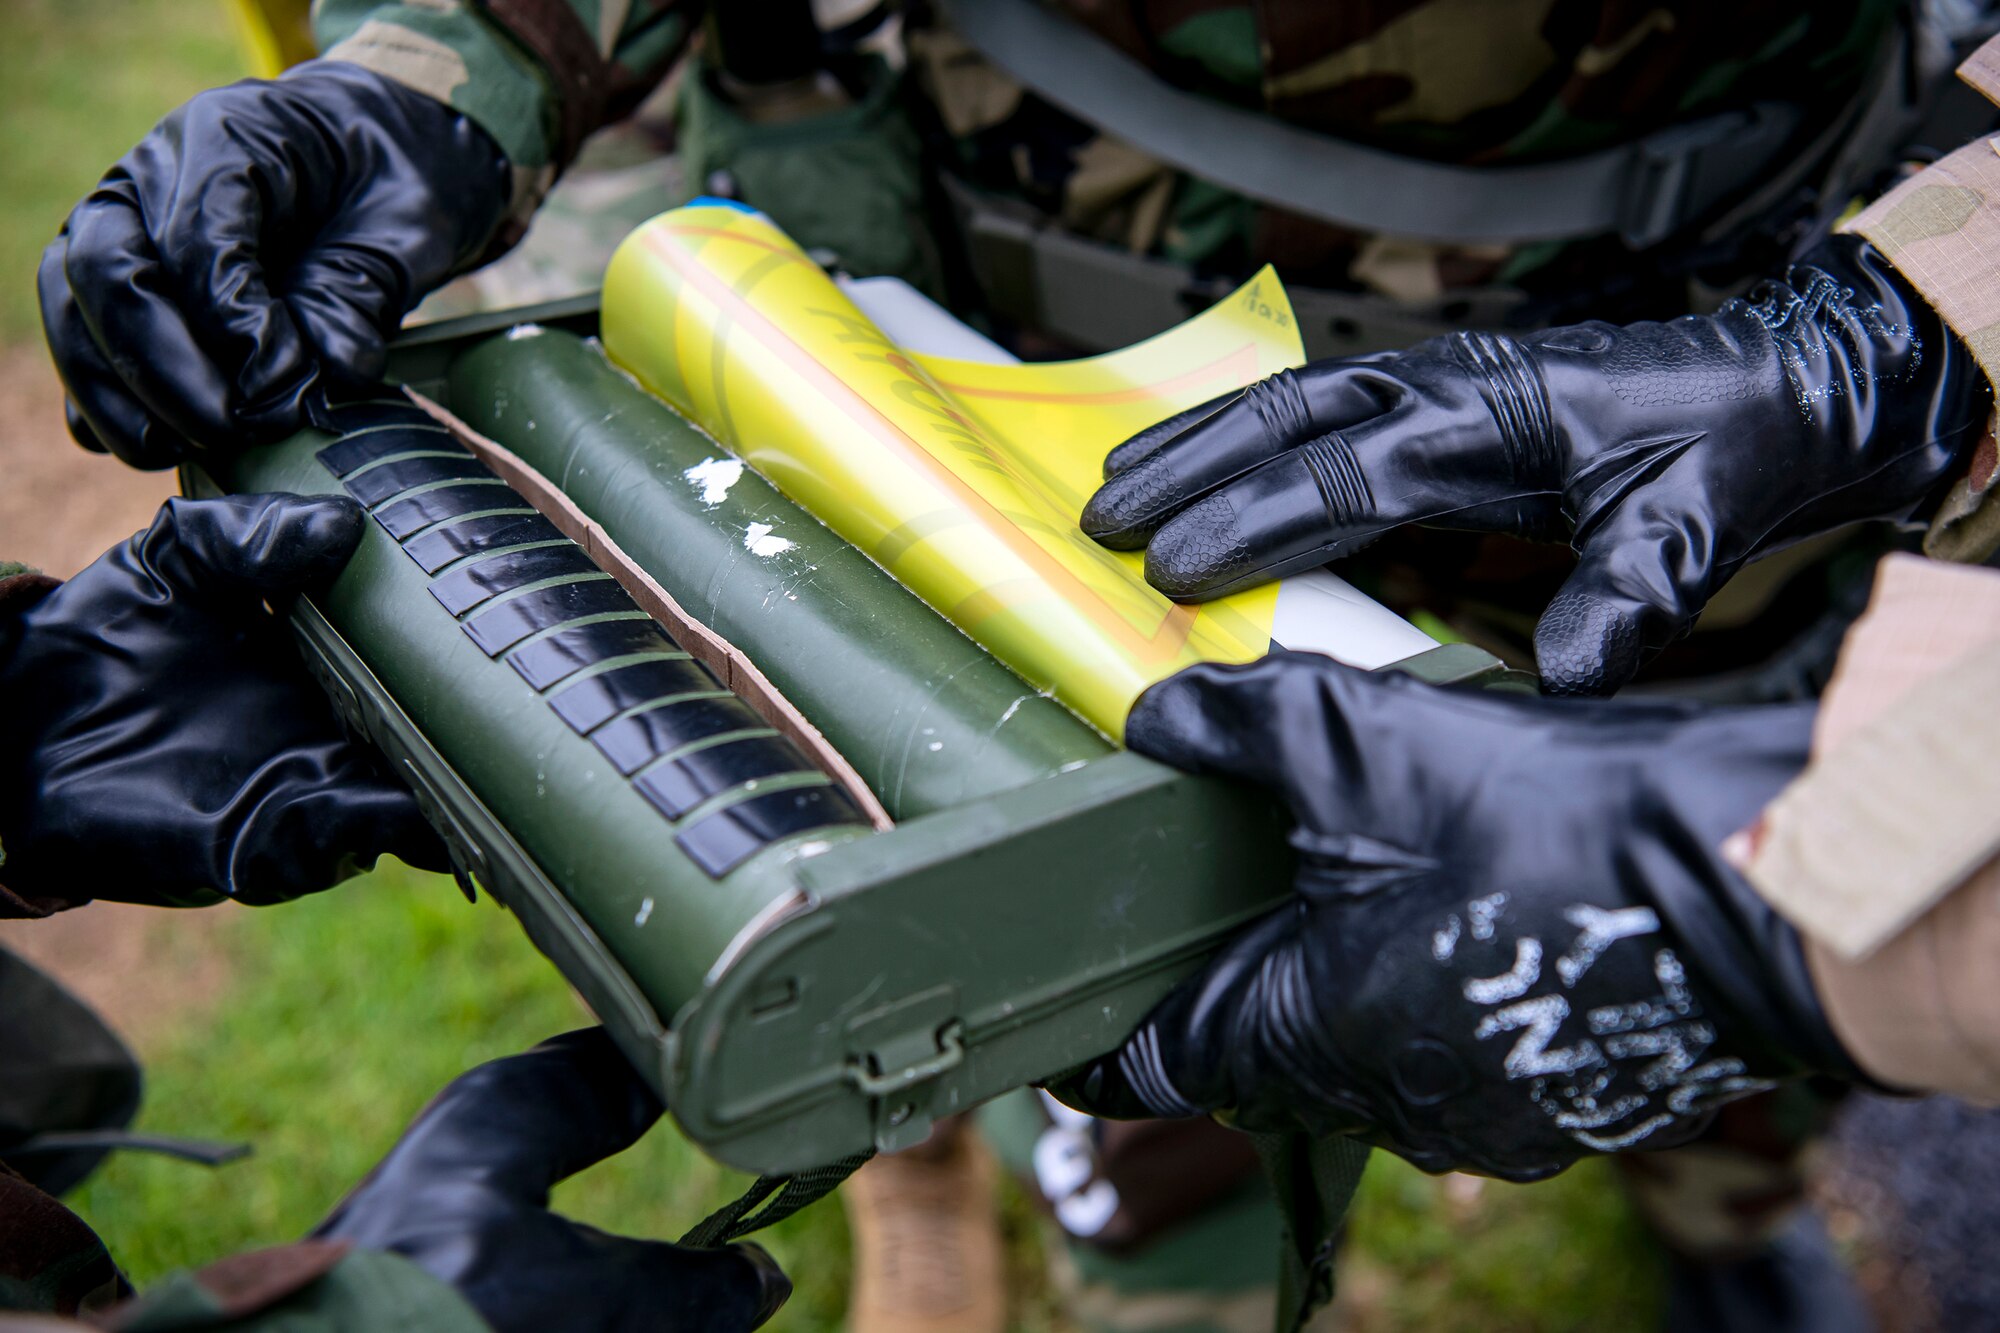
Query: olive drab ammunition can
[[826, 869]]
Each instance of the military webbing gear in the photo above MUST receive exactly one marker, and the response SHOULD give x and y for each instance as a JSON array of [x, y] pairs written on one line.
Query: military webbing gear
[[1383, 74], [847, 182], [1315, 1180], [1032, 270], [1037, 270], [1645, 191]]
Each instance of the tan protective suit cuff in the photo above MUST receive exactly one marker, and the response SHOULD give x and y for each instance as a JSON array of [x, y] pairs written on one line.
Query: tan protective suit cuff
[[1940, 227], [1882, 852]]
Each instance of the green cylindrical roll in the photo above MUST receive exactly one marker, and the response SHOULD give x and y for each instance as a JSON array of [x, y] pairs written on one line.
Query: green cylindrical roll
[[926, 716], [589, 829]]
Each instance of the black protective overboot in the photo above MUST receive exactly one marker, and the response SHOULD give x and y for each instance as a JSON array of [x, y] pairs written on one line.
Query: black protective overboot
[[1794, 1282], [1746, 1251]]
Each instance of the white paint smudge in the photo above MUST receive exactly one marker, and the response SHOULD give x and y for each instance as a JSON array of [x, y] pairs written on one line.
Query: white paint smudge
[[757, 540], [1484, 912], [1513, 983], [1444, 941], [713, 477], [645, 911]]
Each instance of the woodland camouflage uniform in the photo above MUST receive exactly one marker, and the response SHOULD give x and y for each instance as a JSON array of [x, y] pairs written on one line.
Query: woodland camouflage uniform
[[1453, 81]]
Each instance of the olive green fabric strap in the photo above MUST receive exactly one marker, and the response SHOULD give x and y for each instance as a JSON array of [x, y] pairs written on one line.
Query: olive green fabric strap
[[290, 1290], [1314, 1180], [1645, 190], [781, 1196], [554, 34], [1100, 296]]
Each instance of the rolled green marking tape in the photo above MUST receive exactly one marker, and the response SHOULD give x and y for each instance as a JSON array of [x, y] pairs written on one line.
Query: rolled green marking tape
[[928, 718]]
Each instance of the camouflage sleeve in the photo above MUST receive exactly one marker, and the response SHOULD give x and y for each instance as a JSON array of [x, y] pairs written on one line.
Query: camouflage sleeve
[[56, 1274], [309, 1287], [1941, 229], [51, 1262], [537, 75]]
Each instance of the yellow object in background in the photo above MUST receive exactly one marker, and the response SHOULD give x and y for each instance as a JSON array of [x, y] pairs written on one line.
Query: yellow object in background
[[276, 33], [964, 480]]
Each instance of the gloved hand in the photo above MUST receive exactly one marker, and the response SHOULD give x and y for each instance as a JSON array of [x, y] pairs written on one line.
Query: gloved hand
[[1514, 941], [465, 1197], [1668, 454], [160, 739], [264, 237]]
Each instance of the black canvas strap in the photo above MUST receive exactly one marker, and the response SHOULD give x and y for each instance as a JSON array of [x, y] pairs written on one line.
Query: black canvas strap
[[1314, 1180], [780, 1197], [203, 1152]]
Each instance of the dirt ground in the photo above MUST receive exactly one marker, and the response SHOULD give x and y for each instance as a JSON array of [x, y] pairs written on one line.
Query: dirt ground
[[59, 508]]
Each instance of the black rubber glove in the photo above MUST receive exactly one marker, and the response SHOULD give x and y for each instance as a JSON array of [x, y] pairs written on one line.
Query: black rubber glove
[[160, 739], [465, 1197], [262, 237], [1514, 942], [1667, 453]]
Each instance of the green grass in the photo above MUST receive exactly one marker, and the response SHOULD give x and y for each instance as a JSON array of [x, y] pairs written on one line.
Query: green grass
[[80, 82], [1565, 1254]]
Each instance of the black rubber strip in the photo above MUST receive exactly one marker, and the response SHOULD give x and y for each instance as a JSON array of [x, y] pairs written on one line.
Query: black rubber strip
[[356, 451], [448, 541], [392, 478], [632, 742], [561, 655], [476, 583], [679, 786], [724, 840], [406, 517], [346, 418], [501, 627], [591, 703]]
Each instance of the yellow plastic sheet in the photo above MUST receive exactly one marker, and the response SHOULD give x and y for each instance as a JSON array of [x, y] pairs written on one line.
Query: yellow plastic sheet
[[275, 34], [963, 480]]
